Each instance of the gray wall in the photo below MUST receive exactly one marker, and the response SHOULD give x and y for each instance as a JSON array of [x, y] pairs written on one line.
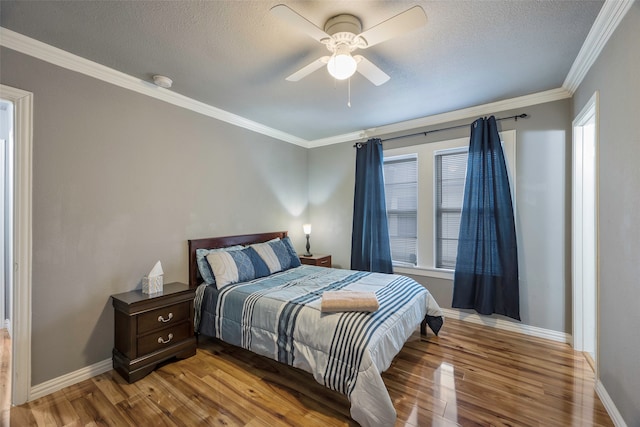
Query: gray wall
[[121, 180], [616, 75], [543, 203]]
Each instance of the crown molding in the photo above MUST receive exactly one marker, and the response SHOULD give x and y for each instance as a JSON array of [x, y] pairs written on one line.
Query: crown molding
[[28, 46], [337, 139], [603, 27], [479, 110]]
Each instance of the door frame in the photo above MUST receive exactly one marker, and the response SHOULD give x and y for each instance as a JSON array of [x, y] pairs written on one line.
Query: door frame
[[590, 109], [22, 241], [3, 220]]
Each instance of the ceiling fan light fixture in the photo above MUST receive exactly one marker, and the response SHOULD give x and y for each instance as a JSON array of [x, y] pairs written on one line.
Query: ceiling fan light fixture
[[343, 34], [342, 65]]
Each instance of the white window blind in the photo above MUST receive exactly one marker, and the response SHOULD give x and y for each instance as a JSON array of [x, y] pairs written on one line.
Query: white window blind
[[450, 173], [401, 194]]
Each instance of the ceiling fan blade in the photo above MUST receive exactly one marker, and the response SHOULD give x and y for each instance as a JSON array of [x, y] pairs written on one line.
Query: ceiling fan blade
[[393, 27], [305, 71], [301, 23], [374, 74]]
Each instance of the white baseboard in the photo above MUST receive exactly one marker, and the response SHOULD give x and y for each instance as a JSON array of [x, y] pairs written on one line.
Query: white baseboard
[[611, 408], [507, 325], [7, 326], [71, 378]]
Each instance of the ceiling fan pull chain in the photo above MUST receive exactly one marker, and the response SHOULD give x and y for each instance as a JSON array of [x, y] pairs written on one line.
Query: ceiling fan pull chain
[[349, 92]]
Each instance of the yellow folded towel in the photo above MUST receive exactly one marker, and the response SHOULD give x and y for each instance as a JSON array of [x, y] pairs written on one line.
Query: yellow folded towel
[[334, 301]]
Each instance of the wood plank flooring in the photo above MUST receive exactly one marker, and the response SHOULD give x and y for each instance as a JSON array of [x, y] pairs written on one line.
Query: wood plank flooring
[[469, 376]]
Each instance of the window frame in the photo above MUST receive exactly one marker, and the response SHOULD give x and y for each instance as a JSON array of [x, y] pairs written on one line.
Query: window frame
[[436, 153], [425, 249]]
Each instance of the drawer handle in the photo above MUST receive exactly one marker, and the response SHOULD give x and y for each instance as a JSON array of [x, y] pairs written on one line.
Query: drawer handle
[[161, 341], [163, 320], [324, 261]]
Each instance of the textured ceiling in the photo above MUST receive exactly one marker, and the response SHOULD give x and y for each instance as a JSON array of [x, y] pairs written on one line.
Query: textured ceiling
[[235, 55]]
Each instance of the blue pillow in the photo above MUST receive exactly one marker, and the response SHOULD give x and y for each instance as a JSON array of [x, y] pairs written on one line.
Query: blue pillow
[[259, 266], [277, 255], [295, 261], [236, 266]]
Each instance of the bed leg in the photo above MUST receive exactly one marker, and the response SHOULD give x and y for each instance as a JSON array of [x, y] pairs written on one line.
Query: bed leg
[[423, 327]]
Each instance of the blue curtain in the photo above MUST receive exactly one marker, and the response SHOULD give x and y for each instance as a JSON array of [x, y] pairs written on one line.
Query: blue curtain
[[370, 247], [486, 275]]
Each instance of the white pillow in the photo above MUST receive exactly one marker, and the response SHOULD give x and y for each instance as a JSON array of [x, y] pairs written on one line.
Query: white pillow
[[203, 265]]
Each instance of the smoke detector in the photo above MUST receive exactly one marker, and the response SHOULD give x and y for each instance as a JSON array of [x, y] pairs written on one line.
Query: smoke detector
[[162, 81]]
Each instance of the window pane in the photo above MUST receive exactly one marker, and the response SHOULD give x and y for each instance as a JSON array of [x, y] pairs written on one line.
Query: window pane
[[450, 174], [401, 186], [401, 196], [402, 224], [450, 224], [449, 253]]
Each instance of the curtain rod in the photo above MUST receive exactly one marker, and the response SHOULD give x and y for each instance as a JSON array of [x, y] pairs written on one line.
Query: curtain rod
[[425, 133]]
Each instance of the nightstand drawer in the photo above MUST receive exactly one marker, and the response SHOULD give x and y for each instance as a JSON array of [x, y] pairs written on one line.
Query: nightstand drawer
[[324, 262], [163, 338], [163, 317], [317, 260]]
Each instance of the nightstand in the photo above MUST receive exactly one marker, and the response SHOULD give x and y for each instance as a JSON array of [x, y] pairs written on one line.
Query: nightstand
[[151, 328], [319, 260]]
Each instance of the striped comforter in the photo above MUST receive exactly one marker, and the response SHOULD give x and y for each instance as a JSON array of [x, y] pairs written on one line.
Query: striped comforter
[[279, 317]]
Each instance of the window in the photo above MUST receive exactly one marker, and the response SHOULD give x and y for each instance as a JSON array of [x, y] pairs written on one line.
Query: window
[[401, 195], [424, 187], [450, 173]]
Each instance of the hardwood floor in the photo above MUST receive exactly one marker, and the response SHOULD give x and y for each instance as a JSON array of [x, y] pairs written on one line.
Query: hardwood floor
[[470, 376]]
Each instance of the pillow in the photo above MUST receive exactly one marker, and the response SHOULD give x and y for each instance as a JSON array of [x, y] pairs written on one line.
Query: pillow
[[276, 255], [295, 261], [203, 265], [236, 266]]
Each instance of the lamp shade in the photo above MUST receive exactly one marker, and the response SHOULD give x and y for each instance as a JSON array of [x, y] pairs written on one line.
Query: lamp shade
[[342, 65], [306, 228]]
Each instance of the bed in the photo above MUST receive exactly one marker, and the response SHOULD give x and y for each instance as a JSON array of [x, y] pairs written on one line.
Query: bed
[[278, 314]]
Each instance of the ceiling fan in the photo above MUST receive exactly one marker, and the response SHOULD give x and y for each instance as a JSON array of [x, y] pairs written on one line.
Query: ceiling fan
[[343, 34]]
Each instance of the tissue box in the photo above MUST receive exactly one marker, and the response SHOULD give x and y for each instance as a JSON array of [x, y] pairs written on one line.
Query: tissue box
[[151, 285]]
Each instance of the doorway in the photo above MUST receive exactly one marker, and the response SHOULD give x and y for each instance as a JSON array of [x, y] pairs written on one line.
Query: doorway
[[20, 181], [6, 213], [585, 231], [6, 250]]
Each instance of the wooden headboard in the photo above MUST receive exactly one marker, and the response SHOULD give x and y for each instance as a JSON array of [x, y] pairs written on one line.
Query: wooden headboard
[[220, 242]]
